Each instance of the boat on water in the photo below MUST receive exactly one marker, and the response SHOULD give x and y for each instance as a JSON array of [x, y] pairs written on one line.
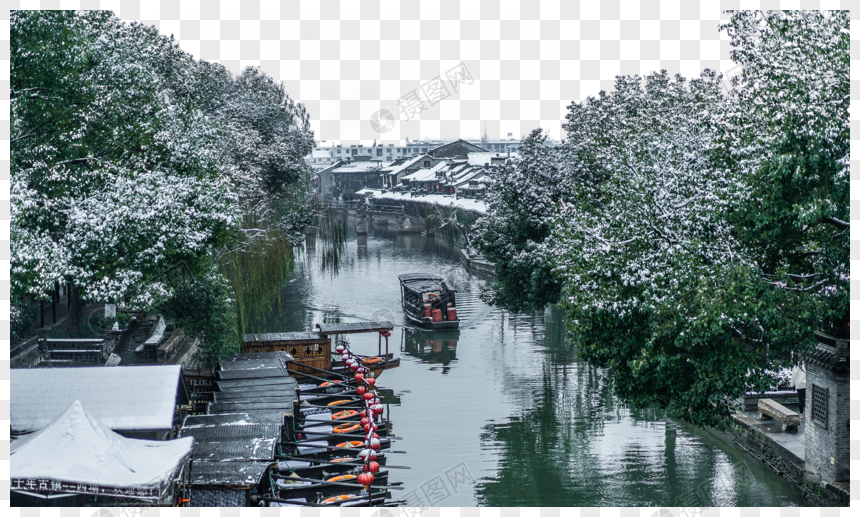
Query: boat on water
[[427, 302], [311, 353]]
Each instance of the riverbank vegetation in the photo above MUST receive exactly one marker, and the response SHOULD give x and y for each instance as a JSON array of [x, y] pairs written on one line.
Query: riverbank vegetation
[[145, 178], [694, 237]]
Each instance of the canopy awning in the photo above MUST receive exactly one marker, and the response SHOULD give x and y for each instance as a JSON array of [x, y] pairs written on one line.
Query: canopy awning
[[354, 328], [76, 453]]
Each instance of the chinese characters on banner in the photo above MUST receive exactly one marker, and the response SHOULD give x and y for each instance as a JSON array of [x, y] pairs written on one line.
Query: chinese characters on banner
[[50, 485]]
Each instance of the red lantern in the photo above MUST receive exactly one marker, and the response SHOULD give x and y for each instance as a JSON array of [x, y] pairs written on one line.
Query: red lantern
[[353, 367], [363, 414], [377, 409], [371, 381], [359, 377], [365, 421], [368, 427], [360, 390], [373, 443], [368, 396], [373, 466], [365, 479], [339, 349]]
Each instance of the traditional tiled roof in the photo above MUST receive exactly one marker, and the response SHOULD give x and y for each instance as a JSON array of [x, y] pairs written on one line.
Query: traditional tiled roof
[[836, 359]]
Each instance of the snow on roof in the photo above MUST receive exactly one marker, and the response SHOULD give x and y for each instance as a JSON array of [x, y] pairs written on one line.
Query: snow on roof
[[467, 177], [320, 153], [123, 397], [158, 333], [77, 448], [356, 167], [227, 473], [395, 164], [480, 159], [474, 205], [421, 175], [406, 164]]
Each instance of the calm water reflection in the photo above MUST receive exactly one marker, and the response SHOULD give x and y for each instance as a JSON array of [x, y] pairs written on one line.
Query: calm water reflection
[[505, 401]]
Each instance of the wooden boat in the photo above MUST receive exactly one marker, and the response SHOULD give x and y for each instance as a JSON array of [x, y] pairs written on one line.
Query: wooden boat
[[377, 498], [310, 353], [417, 290], [314, 484], [289, 489]]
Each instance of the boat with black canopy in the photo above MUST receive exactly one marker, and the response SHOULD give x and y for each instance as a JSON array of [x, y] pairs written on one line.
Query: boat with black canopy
[[428, 302]]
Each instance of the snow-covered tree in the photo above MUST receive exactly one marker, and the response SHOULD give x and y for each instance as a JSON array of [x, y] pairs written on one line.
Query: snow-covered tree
[[787, 135], [512, 235], [114, 178], [717, 243]]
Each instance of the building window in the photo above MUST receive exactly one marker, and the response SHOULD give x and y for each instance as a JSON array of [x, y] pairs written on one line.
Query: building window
[[424, 150], [819, 405], [426, 163], [379, 152]]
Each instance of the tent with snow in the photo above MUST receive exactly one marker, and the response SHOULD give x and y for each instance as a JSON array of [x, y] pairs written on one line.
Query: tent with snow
[[77, 455]]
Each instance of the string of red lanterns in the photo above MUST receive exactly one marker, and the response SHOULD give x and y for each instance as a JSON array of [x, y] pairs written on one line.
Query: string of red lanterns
[[372, 408]]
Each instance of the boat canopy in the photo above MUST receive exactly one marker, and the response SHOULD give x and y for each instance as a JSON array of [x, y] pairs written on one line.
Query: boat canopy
[[354, 328], [421, 282]]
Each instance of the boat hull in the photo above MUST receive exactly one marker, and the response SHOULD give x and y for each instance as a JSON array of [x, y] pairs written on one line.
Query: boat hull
[[426, 323]]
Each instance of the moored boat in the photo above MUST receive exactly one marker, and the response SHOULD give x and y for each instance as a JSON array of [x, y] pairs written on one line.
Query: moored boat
[[427, 302], [310, 353]]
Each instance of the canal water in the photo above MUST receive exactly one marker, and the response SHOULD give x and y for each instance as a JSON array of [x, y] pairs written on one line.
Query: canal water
[[501, 412]]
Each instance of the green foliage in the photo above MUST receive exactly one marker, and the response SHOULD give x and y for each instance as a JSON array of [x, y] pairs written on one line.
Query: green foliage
[[788, 136], [23, 315], [130, 158], [328, 229], [695, 239], [113, 174], [202, 306], [512, 234], [257, 274], [450, 223]]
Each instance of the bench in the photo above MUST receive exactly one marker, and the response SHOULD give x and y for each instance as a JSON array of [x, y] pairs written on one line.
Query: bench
[[771, 410]]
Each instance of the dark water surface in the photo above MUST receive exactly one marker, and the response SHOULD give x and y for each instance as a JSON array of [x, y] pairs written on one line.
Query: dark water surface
[[501, 413]]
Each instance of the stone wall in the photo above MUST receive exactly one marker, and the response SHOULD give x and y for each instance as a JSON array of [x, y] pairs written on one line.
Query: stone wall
[[828, 446], [744, 433]]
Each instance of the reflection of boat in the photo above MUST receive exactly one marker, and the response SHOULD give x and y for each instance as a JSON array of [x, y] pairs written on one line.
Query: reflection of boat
[[438, 347], [425, 304]]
